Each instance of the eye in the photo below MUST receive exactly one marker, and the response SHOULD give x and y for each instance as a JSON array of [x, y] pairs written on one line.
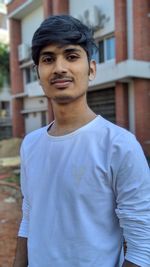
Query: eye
[[47, 59], [72, 57]]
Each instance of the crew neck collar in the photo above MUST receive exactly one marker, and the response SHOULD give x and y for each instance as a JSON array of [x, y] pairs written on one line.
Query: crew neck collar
[[77, 131]]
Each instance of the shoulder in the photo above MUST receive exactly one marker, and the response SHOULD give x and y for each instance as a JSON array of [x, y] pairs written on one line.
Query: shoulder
[[114, 134], [125, 156], [31, 140], [120, 143]]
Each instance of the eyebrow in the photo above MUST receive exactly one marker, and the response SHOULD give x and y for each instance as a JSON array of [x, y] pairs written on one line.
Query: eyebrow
[[71, 50], [67, 50], [46, 53]]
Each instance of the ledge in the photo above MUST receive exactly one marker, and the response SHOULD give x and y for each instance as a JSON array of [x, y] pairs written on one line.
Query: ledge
[[111, 72]]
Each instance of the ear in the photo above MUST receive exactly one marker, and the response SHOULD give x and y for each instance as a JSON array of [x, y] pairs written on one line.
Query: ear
[[92, 70]]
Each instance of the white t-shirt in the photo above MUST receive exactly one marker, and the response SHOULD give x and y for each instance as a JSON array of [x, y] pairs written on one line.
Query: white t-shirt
[[82, 192]]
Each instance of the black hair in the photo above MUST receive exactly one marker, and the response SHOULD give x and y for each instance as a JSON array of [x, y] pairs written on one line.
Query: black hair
[[63, 30]]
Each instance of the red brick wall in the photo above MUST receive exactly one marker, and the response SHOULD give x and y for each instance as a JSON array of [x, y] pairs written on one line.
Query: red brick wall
[[16, 78], [120, 30], [55, 7], [141, 30], [47, 7], [16, 73], [142, 112], [14, 5], [121, 97], [17, 118], [60, 7]]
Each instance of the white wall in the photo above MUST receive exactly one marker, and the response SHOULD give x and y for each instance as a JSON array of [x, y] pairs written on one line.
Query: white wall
[[78, 7], [30, 23], [35, 103], [5, 94], [32, 122], [34, 89], [33, 119]]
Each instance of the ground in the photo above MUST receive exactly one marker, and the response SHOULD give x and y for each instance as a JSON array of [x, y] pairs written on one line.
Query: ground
[[10, 200], [10, 214]]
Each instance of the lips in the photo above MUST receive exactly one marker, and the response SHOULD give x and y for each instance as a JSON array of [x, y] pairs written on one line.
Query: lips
[[61, 83]]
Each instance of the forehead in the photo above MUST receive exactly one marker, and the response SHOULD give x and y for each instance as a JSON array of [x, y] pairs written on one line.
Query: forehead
[[59, 48]]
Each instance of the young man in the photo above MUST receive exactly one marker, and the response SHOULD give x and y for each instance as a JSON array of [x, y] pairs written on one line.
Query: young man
[[85, 181]]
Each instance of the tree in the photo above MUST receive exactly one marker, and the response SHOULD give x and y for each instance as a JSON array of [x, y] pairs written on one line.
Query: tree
[[4, 64]]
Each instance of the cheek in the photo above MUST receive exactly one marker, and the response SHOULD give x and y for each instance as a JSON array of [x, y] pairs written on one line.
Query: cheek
[[43, 73], [83, 72], [44, 81], [83, 82], [84, 76]]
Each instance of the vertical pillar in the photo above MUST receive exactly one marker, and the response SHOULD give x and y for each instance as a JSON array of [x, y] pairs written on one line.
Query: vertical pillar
[[141, 24], [47, 8], [60, 7], [142, 113], [141, 29], [121, 30], [17, 118], [16, 78], [131, 108], [121, 94]]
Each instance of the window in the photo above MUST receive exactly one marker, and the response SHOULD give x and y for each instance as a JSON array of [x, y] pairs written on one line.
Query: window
[[110, 48], [30, 75], [106, 49], [5, 107], [3, 21], [101, 51]]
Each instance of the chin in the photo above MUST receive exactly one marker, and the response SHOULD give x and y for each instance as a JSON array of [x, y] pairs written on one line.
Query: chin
[[63, 99]]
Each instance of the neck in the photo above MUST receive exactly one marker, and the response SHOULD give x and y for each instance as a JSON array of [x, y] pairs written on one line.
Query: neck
[[69, 117]]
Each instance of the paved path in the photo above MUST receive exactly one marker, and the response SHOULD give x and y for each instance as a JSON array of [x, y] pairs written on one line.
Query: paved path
[[10, 214]]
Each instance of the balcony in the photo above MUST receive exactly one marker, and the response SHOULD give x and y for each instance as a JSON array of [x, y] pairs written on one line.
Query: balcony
[[34, 89], [5, 121], [124, 71]]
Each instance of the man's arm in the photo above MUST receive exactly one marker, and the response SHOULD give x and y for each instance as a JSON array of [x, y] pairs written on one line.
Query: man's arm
[[132, 189], [21, 259], [129, 264]]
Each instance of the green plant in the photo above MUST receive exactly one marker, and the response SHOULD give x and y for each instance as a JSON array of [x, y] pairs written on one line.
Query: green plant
[[4, 64]]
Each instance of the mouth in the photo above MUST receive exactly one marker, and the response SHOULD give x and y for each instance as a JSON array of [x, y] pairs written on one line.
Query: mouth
[[61, 83]]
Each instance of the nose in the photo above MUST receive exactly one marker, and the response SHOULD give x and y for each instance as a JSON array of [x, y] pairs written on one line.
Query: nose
[[60, 66]]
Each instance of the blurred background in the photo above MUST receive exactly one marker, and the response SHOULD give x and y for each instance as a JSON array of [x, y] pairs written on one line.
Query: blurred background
[[120, 92]]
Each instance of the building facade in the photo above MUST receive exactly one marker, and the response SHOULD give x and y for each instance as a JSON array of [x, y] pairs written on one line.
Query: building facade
[[121, 90], [5, 95]]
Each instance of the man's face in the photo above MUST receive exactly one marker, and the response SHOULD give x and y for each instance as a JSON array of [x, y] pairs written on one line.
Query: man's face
[[64, 72]]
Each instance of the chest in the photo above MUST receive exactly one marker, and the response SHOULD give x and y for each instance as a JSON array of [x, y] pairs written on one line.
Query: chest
[[72, 170]]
